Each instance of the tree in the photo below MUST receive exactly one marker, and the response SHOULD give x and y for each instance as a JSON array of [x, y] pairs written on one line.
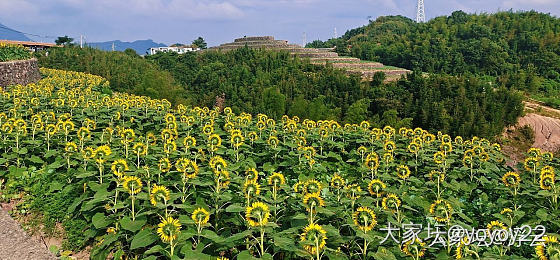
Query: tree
[[64, 40], [200, 43], [130, 52], [358, 111]]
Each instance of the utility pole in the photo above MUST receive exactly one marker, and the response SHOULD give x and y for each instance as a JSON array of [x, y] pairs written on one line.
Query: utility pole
[[335, 34], [420, 13], [304, 42], [81, 41], [113, 46]]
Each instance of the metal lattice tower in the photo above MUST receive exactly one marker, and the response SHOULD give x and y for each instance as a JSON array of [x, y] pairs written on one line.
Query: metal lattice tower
[[420, 14]]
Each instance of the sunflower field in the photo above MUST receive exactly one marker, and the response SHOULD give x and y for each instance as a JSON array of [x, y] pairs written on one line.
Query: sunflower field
[[136, 178]]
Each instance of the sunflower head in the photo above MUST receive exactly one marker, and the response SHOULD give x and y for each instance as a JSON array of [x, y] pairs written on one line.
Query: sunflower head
[[353, 191], [312, 201], [435, 174], [414, 248], [312, 186], [251, 188], [494, 225], [389, 146], [364, 218], [511, 179], [70, 148], [549, 248], [132, 184], [531, 163], [276, 179], [312, 236], [372, 161], [441, 210], [403, 171], [169, 229], [273, 141], [159, 194], [118, 167], [164, 165], [337, 182], [376, 187], [140, 149], [200, 216], [439, 157], [391, 202], [217, 163], [257, 214], [547, 181]]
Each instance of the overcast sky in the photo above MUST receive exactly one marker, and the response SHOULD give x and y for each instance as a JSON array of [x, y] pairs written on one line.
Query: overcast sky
[[219, 21]]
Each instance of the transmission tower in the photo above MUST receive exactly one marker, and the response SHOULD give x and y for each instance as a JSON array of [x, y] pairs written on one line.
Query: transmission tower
[[420, 14]]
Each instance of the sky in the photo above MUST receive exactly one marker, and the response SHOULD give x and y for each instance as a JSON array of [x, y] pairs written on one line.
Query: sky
[[220, 21]]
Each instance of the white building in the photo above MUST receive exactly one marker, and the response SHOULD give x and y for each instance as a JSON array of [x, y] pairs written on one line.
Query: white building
[[177, 49]]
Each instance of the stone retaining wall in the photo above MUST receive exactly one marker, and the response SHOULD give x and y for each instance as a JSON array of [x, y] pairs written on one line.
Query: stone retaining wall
[[19, 72]]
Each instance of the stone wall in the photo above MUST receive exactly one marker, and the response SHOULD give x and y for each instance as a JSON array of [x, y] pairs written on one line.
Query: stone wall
[[19, 72]]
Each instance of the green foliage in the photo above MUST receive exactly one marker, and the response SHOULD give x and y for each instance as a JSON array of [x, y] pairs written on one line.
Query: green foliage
[[64, 40], [126, 73], [10, 52], [313, 179], [200, 43], [258, 81]]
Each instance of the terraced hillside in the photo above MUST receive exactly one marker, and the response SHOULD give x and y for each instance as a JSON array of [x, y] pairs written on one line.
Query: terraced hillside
[[321, 56]]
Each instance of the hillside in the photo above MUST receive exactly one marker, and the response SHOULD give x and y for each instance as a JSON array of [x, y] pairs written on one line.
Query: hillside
[[128, 176], [7, 33], [320, 56]]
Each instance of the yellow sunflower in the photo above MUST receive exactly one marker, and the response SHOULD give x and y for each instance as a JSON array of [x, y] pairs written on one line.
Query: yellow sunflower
[[251, 188], [391, 202], [313, 235], [548, 249], [414, 248], [276, 179], [313, 200], [252, 174], [441, 210], [118, 167], [257, 214], [337, 182], [132, 184], [511, 179], [403, 172], [364, 218], [200, 216], [376, 187], [312, 186], [159, 193], [169, 229]]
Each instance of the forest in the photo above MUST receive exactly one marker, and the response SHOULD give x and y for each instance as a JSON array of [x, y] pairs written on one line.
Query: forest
[[515, 47], [277, 83]]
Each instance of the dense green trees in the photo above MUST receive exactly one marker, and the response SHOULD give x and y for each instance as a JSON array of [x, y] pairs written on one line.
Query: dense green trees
[[126, 71], [277, 83], [258, 81], [515, 46]]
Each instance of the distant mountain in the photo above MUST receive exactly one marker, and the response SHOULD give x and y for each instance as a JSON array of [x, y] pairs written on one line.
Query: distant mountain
[[140, 46], [7, 33]]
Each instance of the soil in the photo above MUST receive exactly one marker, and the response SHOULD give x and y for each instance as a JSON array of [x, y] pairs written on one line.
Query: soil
[[16, 244]]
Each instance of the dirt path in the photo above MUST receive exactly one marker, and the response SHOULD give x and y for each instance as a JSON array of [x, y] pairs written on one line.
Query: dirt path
[[546, 129], [16, 244]]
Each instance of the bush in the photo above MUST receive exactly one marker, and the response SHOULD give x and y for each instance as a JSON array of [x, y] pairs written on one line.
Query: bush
[[10, 52]]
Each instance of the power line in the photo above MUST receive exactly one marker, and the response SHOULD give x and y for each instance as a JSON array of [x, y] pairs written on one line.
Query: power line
[[30, 34]]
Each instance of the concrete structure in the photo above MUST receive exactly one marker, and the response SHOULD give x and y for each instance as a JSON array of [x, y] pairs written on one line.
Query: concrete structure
[[319, 56], [19, 72], [32, 46], [177, 49]]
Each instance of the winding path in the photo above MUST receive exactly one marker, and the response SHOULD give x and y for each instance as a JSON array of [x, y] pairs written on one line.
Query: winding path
[[15, 244]]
